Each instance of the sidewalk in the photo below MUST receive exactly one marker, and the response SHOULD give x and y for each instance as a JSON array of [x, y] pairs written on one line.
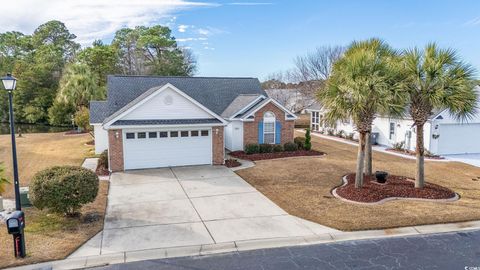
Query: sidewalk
[[377, 148], [200, 250]]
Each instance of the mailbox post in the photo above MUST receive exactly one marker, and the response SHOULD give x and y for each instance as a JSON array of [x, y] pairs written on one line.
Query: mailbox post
[[15, 226]]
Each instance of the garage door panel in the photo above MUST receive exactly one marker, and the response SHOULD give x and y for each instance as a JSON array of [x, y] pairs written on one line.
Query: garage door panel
[[165, 152], [458, 139]]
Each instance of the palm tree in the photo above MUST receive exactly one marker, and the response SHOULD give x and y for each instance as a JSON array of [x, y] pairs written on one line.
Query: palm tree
[[78, 86], [436, 79], [363, 84]]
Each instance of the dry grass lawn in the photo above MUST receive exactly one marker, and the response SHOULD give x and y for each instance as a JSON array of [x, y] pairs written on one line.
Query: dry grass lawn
[[52, 237], [302, 187], [37, 151], [49, 236]]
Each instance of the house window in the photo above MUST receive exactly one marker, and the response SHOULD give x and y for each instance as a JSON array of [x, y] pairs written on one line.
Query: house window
[[130, 135], [204, 132], [141, 135], [269, 128], [315, 121], [184, 133], [163, 134], [392, 130], [173, 133], [152, 134], [194, 133]]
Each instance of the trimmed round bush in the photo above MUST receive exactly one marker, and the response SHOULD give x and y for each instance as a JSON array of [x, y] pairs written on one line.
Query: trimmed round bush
[[265, 148], [290, 147], [278, 148], [300, 142], [251, 148], [63, 189]]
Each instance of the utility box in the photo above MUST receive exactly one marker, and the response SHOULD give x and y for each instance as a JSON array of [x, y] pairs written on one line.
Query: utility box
[[24, 197]]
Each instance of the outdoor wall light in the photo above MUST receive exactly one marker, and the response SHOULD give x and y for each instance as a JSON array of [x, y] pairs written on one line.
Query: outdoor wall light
[[117, 134], [216, 131]]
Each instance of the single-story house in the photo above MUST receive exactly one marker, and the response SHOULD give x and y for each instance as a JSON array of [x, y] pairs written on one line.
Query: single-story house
[[443, 133], [152, 121]]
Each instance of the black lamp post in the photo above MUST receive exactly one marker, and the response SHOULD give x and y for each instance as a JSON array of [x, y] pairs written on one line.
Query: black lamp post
[[9, 82], [16, 222]]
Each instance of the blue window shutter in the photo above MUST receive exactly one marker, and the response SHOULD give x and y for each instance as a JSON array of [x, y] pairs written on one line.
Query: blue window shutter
[[260, 132], [278, 132]]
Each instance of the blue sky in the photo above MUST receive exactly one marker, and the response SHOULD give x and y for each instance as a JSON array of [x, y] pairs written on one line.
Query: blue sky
[[255, 40], [258, 37]]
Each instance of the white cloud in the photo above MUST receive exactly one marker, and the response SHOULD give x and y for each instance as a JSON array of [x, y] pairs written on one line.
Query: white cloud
[[472, 22], [92, 19], [250, 4], [183, 28]]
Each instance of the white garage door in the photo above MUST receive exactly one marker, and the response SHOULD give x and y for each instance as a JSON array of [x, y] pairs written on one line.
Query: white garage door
[[164, 148], [459, 139]]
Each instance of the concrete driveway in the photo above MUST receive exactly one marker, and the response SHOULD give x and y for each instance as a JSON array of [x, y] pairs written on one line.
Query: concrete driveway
[[472, 159], [185, 206]]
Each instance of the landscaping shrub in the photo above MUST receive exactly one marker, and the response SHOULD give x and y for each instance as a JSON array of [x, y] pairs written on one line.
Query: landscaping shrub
[[399, 146], [290, 146], [103, 160], [330, 132], [308, 140], [340, 134], [350, 136], [251, 148], [300, 142], [265, 148], [82, 119], [278, 148], [63, 189]]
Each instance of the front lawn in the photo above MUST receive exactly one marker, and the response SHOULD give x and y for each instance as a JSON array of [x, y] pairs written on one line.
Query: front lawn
[[37, 151], [303, 187], [49, 236]]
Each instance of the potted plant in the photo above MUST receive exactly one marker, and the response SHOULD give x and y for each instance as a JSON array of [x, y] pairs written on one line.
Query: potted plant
[[3, 184], [381, 176]]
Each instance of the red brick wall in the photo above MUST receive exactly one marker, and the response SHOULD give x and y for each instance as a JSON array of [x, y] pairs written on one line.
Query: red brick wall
[[218, 155], [115, 142], [250, 129]]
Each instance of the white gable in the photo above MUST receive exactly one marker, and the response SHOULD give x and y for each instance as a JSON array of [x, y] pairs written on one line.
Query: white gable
[[168, 104]]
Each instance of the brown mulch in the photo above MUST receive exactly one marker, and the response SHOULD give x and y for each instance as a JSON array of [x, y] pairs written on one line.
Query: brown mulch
[[102, 171], [412, 153], [230, 163], [396, 186], [264, 156], [91, 142]]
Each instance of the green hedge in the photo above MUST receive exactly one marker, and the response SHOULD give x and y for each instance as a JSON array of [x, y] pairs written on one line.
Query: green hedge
[[63, 189]]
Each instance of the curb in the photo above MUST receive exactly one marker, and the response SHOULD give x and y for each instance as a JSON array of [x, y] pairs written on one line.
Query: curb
[[345, 182], [245, 245]]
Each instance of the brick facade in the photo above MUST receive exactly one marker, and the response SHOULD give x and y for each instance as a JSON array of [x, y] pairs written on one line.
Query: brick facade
[[250, 129], [218, 148], [115, 142]]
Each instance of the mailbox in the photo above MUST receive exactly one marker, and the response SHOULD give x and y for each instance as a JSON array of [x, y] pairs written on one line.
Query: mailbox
[[16, 222]]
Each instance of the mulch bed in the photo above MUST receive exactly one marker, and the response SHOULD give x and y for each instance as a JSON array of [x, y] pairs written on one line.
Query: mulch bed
[[92, 142], [230, 163], [396, 186], [75, 132], [102, 171], [412, 153], [264, 156]]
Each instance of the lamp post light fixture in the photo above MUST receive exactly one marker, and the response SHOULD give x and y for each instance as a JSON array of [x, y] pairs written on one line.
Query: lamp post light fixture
[[10, 83]]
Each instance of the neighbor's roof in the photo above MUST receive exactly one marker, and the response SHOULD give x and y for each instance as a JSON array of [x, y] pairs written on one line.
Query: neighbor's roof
[[238, 103], [215, 93]]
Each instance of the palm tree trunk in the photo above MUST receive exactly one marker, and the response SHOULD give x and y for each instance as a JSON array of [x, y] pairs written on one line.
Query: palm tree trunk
[[420, 168], [360, 160], [368, 154]]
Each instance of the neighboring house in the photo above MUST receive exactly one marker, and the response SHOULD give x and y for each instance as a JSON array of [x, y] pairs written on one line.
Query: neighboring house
[[443, 134], [292, 99], [150, 122]]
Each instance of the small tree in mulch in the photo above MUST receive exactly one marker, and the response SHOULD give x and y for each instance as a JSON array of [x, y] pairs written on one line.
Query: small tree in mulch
[[308, 140], [63, 189]]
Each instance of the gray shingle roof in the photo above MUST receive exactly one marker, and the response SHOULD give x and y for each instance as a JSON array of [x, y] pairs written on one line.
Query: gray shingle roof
[[98, 111], [215, 93], [237, 104], [167, 122]]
